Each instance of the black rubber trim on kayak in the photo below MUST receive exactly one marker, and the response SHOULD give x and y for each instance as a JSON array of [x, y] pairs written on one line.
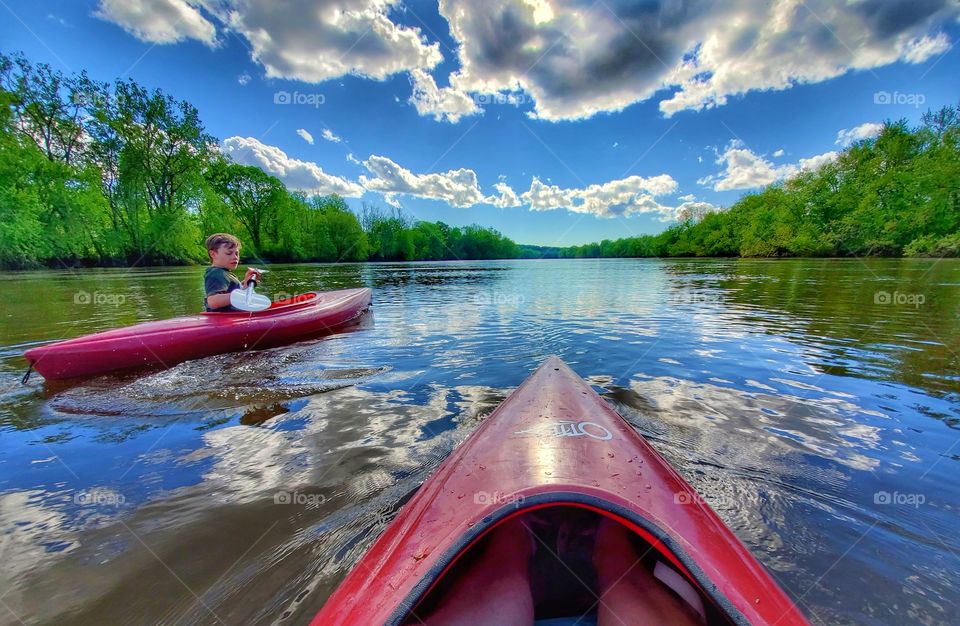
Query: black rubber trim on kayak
[[562, 497], [26, 377]]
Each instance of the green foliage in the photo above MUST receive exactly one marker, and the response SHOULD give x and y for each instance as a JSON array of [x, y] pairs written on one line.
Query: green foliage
[[897, 194], [101, 174]]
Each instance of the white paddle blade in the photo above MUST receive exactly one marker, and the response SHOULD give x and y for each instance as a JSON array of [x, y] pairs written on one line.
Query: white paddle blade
[[248, 300]]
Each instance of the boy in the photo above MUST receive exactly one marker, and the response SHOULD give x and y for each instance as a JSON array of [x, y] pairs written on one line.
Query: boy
[[218, 282]]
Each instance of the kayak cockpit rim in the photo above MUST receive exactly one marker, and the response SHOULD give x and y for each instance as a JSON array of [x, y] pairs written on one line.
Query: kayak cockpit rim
[[293, 302], [677, 554]]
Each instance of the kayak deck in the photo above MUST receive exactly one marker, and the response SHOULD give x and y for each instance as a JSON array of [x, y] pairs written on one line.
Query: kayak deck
[[554, 449]]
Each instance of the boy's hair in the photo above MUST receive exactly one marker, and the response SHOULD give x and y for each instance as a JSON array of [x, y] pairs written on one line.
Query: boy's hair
[[218, 239]]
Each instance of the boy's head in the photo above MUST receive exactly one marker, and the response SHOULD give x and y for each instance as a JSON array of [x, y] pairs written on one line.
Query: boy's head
[[224, 250]]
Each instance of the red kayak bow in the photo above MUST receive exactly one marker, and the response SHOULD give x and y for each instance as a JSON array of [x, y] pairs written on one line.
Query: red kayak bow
[[554, 451], [168, 342]]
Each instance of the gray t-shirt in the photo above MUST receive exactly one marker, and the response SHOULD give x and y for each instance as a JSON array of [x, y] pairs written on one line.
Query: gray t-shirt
[[218, 280]]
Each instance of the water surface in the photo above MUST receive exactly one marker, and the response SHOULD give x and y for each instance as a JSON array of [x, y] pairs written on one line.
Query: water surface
[[814, 403]]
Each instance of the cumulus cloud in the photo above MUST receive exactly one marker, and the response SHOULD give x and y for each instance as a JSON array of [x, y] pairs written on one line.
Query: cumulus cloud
[[243, 79], [300, 39], [626, 196], [305, 135], [329, 136], [744, 169], [577, 58], [159, 21], [779, 153], [295, 174], [458, 188], [507, 196], [849, 136], [444, 104], [816, 162]]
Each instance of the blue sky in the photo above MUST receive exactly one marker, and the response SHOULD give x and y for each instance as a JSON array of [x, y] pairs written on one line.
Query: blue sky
[[557, 122]]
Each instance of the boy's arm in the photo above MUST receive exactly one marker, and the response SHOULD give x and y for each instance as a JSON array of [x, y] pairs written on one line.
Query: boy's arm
[[218, 300]]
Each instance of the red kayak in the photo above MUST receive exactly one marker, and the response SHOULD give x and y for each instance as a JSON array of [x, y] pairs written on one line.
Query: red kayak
[[557, 458], [168, 342]]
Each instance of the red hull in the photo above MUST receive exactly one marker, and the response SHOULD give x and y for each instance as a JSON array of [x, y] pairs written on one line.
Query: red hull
[[168, 342], [554, 442]]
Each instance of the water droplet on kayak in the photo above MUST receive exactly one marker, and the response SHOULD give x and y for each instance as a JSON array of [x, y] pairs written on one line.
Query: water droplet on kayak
[[483, 467], [461, 496], [610, 454], [549, 473], [647, 487]]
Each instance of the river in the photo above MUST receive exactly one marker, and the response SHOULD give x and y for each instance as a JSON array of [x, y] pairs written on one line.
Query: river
[[814, 403]]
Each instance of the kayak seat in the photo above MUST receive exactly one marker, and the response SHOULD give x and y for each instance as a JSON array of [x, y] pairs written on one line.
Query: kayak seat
[[562, 575]]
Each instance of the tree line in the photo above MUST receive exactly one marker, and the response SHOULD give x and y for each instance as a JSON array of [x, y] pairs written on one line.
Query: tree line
[[93, 173], [897, 194]]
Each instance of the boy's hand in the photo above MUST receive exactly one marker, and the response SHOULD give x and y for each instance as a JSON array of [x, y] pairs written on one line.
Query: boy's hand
[[251, 273]]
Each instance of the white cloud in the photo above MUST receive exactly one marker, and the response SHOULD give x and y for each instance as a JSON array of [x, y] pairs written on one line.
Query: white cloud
[[622, 197], [329, 136], [920, 49], [577, 58], [159, 21], [295, 174], [688, 198], [299, 39], [353, 159], [458, 188], [243, 79], [507, 198], [305, 135], [849, 136], [744, 169], [815, 162], [779, 153], [444, 104]]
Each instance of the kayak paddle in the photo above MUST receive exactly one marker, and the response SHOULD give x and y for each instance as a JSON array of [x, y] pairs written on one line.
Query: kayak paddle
[[247, 299]]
